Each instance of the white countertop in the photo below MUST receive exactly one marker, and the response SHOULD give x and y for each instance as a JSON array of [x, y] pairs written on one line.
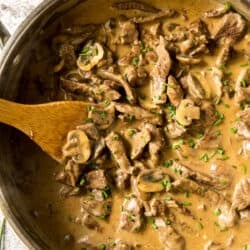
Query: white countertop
[[12, 13]]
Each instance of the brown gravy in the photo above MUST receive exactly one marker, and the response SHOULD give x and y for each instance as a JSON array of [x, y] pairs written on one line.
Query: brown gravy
[[57, 217]]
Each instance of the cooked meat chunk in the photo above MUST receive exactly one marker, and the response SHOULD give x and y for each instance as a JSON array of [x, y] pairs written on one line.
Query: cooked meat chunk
[[117, 149], [174, 130], [122, 179], [162, 14], [138, 113], [96, 179], [244, 115], [135, 5], [243, 129], [216, 12], [155, 208], [210, 140], [127, 32], [160, 73], [228, 217], [98, 148], [90, 222], [96, 207], [118, 78], [195, 88], [241, 196], [199, 177], [120, 245], [232, 26], [156, 144], [71, 174], [224, 53], [245, 215], [168, 236], [242, 87], [99, 93], [90, 130], [174, 91], [102, 117], [138, 141], [67, 54], [131, 216]]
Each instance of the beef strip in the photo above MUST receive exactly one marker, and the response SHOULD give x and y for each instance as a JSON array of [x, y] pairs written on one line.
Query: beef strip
[[71, 174], [99, 93], [138, 113], [243, 129], [67, 54], [216, 12], [156, 143], [88, 221], [118, 78], [159, 74], [117, 149], [91, 130], [244, 115], [201, 178], [168, 236], [224, 53], [155, 208], [245, 215], [147, 19], [138, 140], [96, 179], [242, 87], [122, 178], [101, 115], [135, 5], [232, 26], [98, 208], [241, 195], [174, 130], [210, 140], [120, 245], [174, 91], [131, 216]]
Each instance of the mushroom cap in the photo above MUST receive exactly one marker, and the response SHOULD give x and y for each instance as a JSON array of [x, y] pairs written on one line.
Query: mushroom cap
[[78, 146], [186, 112], [151, 181], [86, 61]]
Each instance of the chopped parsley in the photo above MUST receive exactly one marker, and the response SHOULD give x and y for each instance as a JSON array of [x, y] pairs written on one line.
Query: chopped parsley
[[168, 163], [228, 6], [131, 132], [204, 157], [217, 211], [243, 83], [168, 198], [219, 118], [151, 221], [244, 65], [234, 130], [178, 144], [191, 143], [200, 225], [82, 182], [223, 158], [171, 110], [102, 247], [186, 203], [244, 169], [135, 61]]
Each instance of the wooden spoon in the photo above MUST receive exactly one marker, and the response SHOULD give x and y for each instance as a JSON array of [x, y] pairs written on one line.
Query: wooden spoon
[[46, 124]]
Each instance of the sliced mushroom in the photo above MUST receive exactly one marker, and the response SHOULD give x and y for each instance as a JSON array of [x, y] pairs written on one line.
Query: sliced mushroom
[[151, 181], [90, 56], [77, 146], [186, 112]]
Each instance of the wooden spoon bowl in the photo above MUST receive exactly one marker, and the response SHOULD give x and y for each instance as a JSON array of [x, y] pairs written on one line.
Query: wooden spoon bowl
[[46, 124]]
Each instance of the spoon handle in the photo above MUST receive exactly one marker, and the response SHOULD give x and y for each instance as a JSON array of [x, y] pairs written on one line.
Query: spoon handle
[[15, 115]]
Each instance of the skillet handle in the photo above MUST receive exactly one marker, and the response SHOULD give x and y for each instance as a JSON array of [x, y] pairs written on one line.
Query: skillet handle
[[4, 35]]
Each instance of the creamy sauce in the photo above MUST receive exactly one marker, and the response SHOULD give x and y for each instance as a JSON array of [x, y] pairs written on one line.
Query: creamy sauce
[[57, 217]]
